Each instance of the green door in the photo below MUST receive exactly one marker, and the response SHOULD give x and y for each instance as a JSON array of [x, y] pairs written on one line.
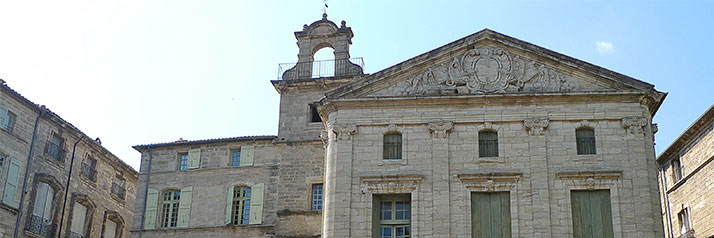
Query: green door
[[592, 215], [491, 215]]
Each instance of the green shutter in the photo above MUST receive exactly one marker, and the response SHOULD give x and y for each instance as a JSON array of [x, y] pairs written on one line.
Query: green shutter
[[152, 200], [246, 153], [229, 203], [491, 214], [13, 176], [592, 215], [3, 115], [184, 212], [194, 158], [256, 204]]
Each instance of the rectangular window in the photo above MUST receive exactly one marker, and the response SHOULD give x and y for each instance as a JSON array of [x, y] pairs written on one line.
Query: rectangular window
[[183, 161], [170, 208], [684, 229], [9, 121], [392, 146], [89, 169], [676, 169], [392, 216], [317, 196], [41, 221], [314, 115], [78, 217], [118, 188], [55, 147], [110, 229], [235, 157], [241, 205], [585, 141], [490, 214], [592, 215], [487, 144]]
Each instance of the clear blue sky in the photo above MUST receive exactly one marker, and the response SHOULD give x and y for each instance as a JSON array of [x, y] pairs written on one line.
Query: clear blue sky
[[148, 71]]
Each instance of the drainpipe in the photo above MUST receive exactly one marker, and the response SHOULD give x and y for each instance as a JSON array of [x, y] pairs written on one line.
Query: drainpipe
[[146, 193], [668, 211], [66, 187], [43, 110]]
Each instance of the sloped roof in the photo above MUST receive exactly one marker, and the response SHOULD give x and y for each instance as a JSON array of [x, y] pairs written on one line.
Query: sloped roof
[[487, 34], [205, 141], [686, 136]]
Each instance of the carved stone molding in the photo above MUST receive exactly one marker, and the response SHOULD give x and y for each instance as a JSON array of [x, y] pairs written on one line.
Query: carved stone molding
[[344, 132], [391, 183], [440, 128], [634, 125], [488, 70], [393, 128], [536, 126], [590, 179], [497, 181], [324, 135]]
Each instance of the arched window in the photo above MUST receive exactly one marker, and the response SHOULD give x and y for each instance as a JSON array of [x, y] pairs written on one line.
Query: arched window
[[41, 220], [323, 64], [393, 146], [585, 140], [241, 205], [170, 207], [82, 212], [487, 144]]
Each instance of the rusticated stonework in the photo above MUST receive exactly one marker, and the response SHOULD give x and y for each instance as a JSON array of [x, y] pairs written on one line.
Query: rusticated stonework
[[488, 70]]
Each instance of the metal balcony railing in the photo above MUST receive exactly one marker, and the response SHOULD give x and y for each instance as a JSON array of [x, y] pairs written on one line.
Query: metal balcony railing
[[55, 150], [41, 227], [322, 68], [118, 190], [89, 172]]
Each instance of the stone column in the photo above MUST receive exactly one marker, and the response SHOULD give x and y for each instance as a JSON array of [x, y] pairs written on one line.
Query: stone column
[[338, 181], [440, 177]]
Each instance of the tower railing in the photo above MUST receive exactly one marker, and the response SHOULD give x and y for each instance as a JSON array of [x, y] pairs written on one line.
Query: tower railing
[[320, 68]]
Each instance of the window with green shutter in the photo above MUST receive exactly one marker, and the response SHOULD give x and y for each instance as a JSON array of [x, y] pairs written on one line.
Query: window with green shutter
[[235, 157], [241, 205], [247, 155], [183, 161], [487, 144], [392, 147], [152, 200], [490, 214], [592, 215], [585, 141], [169, 208], [392, 216], [12, 182], [194, 159], [184, 211]]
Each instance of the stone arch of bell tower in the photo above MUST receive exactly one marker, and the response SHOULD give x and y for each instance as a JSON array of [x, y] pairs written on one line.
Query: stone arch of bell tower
[[316, 36]]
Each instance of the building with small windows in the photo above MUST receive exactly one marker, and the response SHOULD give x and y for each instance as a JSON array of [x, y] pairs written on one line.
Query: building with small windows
[[687, 181], [55, 181], [487, 136]]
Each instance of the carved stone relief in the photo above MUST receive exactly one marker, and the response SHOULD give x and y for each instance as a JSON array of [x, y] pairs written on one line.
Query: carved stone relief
[[344, 132], [488, 70], [536, 126], [391, 183], [440, 128], [499, 181], [634, 125]]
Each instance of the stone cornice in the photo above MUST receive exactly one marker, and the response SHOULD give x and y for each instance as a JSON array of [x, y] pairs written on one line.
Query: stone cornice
[[391, 183]]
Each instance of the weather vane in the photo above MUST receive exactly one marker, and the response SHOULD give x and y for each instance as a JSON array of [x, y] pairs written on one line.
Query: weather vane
[[324, 10]]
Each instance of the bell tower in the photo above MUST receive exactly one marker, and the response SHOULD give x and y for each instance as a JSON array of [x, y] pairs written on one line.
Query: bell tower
[[302, 83]]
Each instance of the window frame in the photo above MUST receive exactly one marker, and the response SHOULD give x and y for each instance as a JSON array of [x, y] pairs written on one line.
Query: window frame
[[182, 157], [244, 194], [483, 147], [392, 150], [60, 150], [392, 223], [172, 204], [233, 162], [582, 142], [677, 169], [685, 224], [313, 114], [9, 122], [89, 170], [317, 196]]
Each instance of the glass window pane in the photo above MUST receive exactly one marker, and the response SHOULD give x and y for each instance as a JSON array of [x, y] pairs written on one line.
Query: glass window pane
[[488, 144]]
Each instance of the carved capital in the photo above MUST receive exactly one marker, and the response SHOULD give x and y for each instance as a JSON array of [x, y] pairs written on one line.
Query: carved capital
[[440, 128], [536, 126], [344, 132], [634, 125], [324, 135]]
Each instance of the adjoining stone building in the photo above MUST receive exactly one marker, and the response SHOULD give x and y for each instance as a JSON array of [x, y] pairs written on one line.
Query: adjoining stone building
[[687, 181], [487, 136], [73, 187]]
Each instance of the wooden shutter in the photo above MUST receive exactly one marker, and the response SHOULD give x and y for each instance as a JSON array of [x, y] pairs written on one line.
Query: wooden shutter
[[246, 153], [256, 204], [78, 215], [194, 159], [184, 212], [152, 200], [592, 215], [3, 115], [229, 204], [13, 176], [491, 214]]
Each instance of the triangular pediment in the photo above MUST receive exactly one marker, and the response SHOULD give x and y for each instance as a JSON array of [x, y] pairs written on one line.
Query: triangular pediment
[[488, 62]]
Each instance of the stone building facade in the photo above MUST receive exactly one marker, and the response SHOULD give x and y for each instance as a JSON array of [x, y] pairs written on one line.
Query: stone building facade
[[686, 180], [487, 136], [73, 186]]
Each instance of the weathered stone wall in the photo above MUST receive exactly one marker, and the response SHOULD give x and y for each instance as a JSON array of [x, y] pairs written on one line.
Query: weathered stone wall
[[57, 173], [540, 197], [695, 191]]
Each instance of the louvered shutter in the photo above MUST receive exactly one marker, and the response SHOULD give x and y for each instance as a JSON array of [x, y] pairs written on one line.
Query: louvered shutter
[[184, 212], [256, 204], [229, 204], [246, 155], [11, 185], [152, 200], [194, 158]]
